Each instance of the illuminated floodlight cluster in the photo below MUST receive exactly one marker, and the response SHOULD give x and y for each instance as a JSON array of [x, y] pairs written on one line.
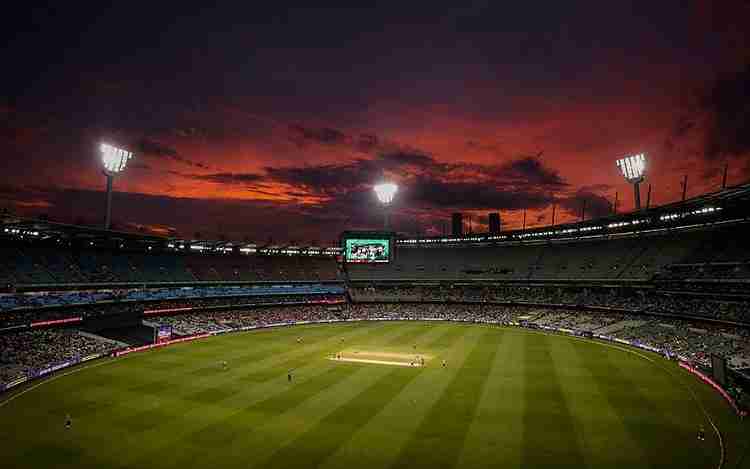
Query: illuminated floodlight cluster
[[385, 192], [633, 167], [114, 159]]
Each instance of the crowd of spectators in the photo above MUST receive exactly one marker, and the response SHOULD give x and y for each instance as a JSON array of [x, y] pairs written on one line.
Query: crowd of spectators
[[23, 352], [77, 298], [49, 262], [26, 352], [676, 336], [648, 301], [18, 317]]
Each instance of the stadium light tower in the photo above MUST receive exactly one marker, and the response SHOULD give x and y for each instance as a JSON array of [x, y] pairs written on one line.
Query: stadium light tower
[[633, 169], [386, 191], [114, 160]]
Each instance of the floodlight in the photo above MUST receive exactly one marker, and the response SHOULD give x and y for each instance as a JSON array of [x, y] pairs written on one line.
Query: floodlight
[[114, 160], [385, 192], [633, 169]]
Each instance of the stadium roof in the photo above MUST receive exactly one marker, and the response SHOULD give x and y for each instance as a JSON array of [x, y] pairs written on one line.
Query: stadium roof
[[727, 204], [43, 230]]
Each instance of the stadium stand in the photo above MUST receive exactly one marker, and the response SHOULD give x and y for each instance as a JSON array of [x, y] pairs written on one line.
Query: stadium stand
[[636, 258], [31, 263], [27, 352], [675, 278]]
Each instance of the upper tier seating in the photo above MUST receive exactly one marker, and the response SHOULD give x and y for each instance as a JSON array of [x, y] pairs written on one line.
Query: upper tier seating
[[634, 258], [23, 264]]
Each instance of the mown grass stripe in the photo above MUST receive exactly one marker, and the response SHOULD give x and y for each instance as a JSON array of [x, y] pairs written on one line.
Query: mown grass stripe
[[621, 398], [283, 428], [379, 441], [114, 427], [438, 441], [174, 396], [261, 391], [447, 338], [322, 440], [549, 433], [220, 433], [412, 331], [494, 435], [648, 420]]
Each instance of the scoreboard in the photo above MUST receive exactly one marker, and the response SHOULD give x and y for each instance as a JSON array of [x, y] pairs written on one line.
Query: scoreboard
[[367, 247]]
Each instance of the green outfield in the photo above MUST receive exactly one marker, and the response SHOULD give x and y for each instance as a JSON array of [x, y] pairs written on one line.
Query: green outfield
[[506, 398]]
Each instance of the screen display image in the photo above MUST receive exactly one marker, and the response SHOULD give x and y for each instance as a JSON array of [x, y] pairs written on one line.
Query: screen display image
[[163, 333], [367, 250]]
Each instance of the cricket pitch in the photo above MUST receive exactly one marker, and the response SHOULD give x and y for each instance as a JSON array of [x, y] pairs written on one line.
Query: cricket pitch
[[382, 358]]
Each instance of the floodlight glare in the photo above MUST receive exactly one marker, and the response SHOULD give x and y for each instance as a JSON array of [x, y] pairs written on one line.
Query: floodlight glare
[[633, 169], [385, 192], [114, 159]]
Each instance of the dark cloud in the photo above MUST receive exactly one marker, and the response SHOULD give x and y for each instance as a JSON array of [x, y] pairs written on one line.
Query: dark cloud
[[325, 179], [302, 135], [139, 165], [178, 214], [530, 171], [228, 178], [597, 187], [367, 142], [727, 104], [715, 126], [461, 195], [429, 188], [596, 205], [521, 183], [152, 148], [406, 158]]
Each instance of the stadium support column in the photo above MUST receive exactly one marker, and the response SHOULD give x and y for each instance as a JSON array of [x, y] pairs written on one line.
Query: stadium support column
[[684, 188], [108, 208], [457, 224], [583, 210], [114, 160], [554, 210], [614, 207], [637, 194], [494, 223], [633, 168]]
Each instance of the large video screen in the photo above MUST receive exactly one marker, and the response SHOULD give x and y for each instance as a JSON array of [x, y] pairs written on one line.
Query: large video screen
[[367, 250]]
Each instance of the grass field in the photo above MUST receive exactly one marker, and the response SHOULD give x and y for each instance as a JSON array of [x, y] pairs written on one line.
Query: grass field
[[507, 398]]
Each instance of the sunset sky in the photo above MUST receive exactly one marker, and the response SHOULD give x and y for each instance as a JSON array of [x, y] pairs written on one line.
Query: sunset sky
[[273, 122]]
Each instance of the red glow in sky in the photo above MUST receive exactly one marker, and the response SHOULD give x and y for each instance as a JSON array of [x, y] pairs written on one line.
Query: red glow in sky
[[277, 129]]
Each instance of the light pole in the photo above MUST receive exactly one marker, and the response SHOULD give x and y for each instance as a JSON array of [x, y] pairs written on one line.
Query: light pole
[[385, 192], [633, 169], [114, 160]]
